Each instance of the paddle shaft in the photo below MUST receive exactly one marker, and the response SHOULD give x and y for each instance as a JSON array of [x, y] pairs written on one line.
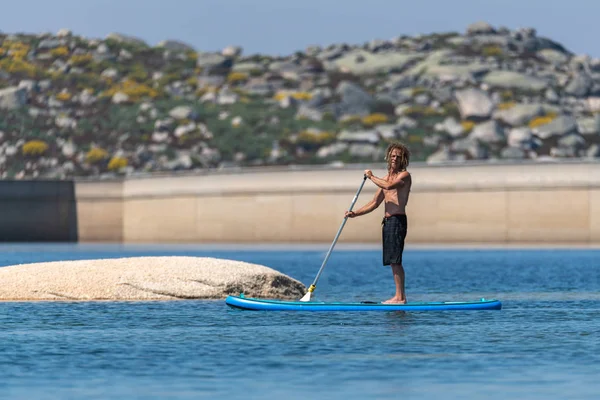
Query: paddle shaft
[[314, 284]]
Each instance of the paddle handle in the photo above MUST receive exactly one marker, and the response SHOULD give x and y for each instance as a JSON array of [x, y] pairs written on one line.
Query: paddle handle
[[338, 233]]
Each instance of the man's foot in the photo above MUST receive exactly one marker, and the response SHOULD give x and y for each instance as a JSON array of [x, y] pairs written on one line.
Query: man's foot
[[395, 300]]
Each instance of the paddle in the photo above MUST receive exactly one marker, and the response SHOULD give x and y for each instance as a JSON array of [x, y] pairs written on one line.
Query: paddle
[[312, 287]]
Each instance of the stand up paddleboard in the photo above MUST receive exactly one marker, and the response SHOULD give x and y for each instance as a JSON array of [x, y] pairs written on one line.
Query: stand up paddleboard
[[249, 303]]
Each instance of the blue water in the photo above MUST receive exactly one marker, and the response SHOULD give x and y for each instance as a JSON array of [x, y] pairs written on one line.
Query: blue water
[[543, 344]]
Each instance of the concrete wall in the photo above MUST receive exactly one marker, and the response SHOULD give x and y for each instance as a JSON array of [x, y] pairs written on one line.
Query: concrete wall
[[521, 204], [37, 211]]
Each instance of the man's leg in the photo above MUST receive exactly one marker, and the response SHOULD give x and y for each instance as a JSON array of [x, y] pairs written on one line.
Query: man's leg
[[400, 296]]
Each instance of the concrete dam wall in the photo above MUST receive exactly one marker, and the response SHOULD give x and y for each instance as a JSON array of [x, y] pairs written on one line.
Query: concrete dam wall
[[40, 211], [554, 203]]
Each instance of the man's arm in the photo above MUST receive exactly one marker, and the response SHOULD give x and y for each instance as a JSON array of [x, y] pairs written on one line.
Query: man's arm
[[367, 208], [397, 182]]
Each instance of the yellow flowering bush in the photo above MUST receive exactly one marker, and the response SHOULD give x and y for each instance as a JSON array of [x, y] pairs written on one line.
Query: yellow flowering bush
[[81, 60], [418, 90], [506, 105], [116, 163], [236, 77], [192, 55], [319, 138], [96, 155], [61, 51], [282, 94], [375, 119], [507, 95], [543, 120], [63, 96], [17, 66], [34, 148], [136, 91], [16, 50], [351, 120], [467, 125], [491, 51]]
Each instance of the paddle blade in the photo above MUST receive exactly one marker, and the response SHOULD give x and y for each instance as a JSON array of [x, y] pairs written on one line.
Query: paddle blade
[[306, 297]]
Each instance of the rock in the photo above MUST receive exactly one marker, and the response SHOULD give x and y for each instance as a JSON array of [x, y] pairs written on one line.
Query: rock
[[181, 112], [519, 114], [145, 278], [520, 137], [232, 51], [63, 121], [442, 155], [514, 80], [355, 100], [365, 151], [589, 126], [371, 137], [121, 38], [332, 150], [68, 149], [515, 153], [488, 132], [593, 104], [572, 140], [12, 98], [175, 45], [474, 103], [362, 62], [119, 98], [210, 60], [110, 73], [306, 112], [185, 129], [553, 56], [593, 151], [64, 33], [480, 27], [451, 126], [470, 146], [29, 85], [579, 85], [560, 126]]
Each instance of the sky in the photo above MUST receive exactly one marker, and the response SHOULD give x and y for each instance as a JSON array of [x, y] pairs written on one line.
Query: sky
[[281, 27]]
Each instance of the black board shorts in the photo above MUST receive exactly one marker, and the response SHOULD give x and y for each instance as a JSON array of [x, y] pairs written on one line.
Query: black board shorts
[[393, 231]]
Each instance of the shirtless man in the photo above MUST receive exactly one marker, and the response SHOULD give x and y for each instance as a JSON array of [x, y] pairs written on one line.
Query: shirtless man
[[394, 189]]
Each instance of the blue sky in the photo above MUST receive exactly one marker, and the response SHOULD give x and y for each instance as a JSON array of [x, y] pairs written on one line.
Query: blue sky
[[284, 26]]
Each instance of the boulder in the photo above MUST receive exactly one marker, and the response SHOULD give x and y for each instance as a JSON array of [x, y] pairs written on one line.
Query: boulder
[[474, 103], [12, 98], [144, 278]]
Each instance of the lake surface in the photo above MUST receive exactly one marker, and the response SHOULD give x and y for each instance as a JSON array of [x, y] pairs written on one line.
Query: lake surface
[[543, 344]]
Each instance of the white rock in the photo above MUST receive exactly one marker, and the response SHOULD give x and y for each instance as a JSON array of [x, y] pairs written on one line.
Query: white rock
[[120, 97], [12, 98], [180, 112], [64, 32], [145, 278], [474, 103]]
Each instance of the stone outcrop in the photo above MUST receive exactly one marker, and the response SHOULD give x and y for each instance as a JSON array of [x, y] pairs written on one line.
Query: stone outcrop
[[126, 107], [144, 278]]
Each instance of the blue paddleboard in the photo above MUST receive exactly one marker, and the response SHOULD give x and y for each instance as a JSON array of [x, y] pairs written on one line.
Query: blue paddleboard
[[249, 303]]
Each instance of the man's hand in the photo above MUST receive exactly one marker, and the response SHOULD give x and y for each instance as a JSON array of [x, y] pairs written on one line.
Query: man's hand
[[349, 214], [368, 173]]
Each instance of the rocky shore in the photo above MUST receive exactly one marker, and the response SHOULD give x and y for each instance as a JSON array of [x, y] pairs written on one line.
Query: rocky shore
[[144, 278], [82, 107]]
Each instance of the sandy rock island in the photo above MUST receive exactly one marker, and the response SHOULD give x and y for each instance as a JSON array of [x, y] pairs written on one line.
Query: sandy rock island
[[144, 278]]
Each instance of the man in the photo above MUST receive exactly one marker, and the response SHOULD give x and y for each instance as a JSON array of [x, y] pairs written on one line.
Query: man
[[394, 189]]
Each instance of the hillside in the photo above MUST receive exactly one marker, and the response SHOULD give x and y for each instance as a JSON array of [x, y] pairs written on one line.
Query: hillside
[[73, 106]]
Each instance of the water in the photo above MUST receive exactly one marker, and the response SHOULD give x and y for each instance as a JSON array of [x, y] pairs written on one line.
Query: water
[[543, 344]]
